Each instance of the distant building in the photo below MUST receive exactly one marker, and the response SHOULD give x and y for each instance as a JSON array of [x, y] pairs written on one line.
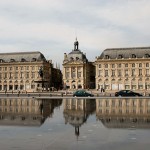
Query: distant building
[[78, 72], [24, 72], [123, 68]]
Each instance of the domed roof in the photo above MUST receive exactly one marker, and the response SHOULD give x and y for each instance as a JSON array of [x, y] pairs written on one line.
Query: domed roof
[[76, 54]]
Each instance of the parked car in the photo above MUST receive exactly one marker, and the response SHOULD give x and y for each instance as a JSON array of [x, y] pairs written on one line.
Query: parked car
[[127, 93], [82, 93]]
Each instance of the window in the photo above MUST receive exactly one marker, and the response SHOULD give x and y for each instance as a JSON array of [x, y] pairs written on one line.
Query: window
[[119, 65], [113, 65], [147, 64], [106, 65], [147, 55], [79, 74], [119, 73], [140, 65], [16, 75], [23, 60], [133, 72], [140, 72], [27, 75], [133, 56], [27, 67], [106, 73], [21, 74], [133, 65], [67, 75], [126, 65], [147, 72], [100, 73], [107, 56], [120, 56], [99, 66], [33, 75], [126, 72], [12, 60], [113, 73], [33, 59]]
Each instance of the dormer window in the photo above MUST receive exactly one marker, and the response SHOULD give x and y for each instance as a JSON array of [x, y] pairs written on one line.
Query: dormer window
[[133, 56], [1, 60], [71, 58], [33, 59], [23, 60], [12, 60], [120, 56], [77, 58], [147, 55], [107, 57]]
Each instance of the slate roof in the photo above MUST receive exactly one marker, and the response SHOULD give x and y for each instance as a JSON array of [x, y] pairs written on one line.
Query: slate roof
[[22, 56], [138, 52], [77, 54]]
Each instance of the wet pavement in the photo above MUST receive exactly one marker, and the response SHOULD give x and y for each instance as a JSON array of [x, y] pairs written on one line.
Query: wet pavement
[[74, 124]]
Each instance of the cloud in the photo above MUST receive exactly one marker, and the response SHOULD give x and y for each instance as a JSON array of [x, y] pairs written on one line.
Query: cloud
[[51, 26]]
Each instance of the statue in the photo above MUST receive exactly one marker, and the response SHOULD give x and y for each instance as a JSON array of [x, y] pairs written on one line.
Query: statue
[[76, 44]]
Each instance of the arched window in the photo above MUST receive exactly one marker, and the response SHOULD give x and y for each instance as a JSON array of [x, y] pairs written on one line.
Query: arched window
[[12, 60], [133, 56], [77, 58], [133, 65], [107, 57], [71, 58], [1, 60], [33, 59], [120, 56], [147, 55], [23, 60]]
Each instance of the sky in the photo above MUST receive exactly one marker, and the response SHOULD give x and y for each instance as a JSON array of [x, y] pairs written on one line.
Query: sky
[[51, 26]]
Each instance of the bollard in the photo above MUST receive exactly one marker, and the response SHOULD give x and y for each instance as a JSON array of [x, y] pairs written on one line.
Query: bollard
[[28, 95], [39, 95]]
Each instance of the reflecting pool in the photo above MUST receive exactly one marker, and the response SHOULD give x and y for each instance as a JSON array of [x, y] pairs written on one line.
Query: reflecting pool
[[71, 124]]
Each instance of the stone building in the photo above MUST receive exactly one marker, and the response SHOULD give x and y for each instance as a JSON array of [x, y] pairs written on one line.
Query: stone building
[[123, 68], [24, 72], [78, 72]]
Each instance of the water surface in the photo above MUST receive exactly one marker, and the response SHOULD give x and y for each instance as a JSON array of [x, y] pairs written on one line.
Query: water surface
[[71, 124]]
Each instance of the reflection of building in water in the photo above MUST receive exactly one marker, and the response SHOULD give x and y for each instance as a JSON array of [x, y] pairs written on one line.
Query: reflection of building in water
[[115, 113], [76, 111], [25, 112]]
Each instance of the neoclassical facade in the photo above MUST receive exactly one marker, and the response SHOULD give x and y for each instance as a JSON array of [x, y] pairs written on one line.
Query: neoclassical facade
[[123, 68], [20, 72], [78, 72]]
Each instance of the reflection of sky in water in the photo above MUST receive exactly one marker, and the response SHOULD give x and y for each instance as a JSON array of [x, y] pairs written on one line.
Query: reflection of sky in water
[[57, 133]]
